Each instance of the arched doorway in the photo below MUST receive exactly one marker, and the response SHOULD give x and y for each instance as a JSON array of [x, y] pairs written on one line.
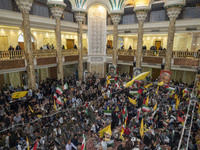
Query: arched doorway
[[21, 41]]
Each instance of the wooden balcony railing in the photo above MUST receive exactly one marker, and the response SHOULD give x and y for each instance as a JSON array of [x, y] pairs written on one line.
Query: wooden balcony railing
[[20, 54], [157, 53], [11, 55]]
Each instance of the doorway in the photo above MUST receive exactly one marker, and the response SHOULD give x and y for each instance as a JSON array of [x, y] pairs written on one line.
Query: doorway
[[21, 42], [109, 44], [70, 43], [157, 44], [155, 73]]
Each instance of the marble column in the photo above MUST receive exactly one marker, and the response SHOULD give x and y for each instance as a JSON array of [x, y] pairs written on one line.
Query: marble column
[[79, 18], [141, 16], [172, 13], [25, 7], [57, 13], [194, 42], [115, 19]]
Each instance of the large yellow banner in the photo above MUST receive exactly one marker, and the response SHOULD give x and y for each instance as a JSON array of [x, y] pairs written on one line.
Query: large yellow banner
[[19, 94], [106, 130]]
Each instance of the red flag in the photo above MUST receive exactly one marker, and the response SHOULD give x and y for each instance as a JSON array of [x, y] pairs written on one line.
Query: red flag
[[179, 118], [144, 101], [35, 146]]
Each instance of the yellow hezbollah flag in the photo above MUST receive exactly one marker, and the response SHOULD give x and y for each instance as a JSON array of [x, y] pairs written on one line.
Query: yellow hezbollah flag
[[142, 76], [147, 86], [177, 103], [147, 101], [54, 106], [19, 94], [161, 83], [108, 82], [30, 109], [109, 77], [142, 128], [176, 97], [27, 144], [154, 108], [106, 130], [145, 128], [132, 101]]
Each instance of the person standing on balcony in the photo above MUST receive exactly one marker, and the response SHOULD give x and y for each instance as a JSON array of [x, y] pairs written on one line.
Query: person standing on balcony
[[198, 53], [11, 49], [18, 52], [18, 47], [52, 47], [144, 47], [75, 47]]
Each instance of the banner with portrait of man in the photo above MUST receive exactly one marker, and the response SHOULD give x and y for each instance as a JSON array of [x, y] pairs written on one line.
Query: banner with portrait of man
[[112, 70], [165, 77]]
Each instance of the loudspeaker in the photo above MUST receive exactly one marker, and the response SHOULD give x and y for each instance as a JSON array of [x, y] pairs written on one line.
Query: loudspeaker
[[162, 66]]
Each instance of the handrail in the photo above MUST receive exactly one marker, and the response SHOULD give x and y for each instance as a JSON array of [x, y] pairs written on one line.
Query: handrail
[[12, 55], [20, 54]]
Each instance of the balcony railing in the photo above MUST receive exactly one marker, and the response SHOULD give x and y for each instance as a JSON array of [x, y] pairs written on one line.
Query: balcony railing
[[20, 54], [11, 55], [157, 53]]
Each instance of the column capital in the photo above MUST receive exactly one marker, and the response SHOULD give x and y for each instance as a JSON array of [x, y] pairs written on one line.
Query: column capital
[[57, 11], [79, 16], [56, 7], [141, 15], [24, 5], [116, 18], [173, 12]]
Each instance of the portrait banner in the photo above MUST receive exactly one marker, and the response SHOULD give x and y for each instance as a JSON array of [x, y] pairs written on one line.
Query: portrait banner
[[165, 77]]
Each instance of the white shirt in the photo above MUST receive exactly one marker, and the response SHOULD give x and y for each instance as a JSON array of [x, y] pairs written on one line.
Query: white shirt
[[30, 93], [69, 147], [104, 145]]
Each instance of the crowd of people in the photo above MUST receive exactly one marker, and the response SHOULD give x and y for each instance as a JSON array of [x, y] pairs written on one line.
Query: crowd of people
[[155, 121]]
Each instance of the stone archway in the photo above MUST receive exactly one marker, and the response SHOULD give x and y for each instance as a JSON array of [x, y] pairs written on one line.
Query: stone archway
[[21, 41]]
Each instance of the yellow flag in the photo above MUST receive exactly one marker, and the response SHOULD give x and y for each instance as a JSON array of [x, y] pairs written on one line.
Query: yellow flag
[[176, 97], [39, 116], [170, 108], [106, 130], [142, 76], [154, 108], [142, 128], [109, 77], [177, 103], [27, 144], [147, 101], [145, 128], [147, 86], [54, 106], [108, 82], [161, 83], [117, 108], [31, 109], [132, 101], [19, 94], [157, 89], [199, 108]]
